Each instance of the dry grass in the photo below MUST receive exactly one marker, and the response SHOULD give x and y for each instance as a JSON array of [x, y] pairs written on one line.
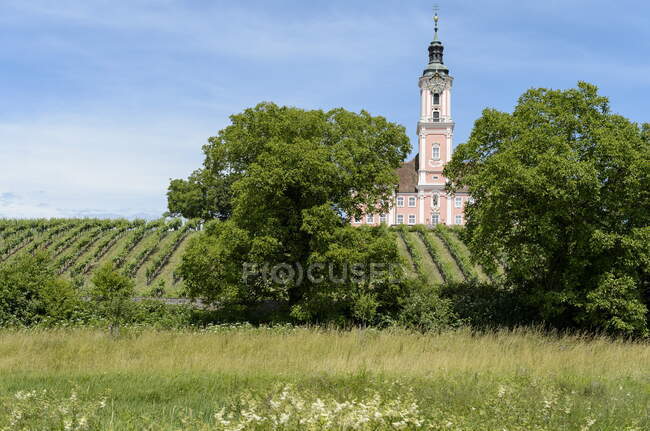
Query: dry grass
[[299, 351]]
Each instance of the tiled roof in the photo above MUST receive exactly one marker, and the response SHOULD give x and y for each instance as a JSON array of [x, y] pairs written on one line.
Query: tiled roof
[[408, 176]]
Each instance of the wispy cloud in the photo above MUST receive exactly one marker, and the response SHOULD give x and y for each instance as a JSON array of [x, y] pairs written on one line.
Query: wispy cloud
[[103, 101], [77, 164]]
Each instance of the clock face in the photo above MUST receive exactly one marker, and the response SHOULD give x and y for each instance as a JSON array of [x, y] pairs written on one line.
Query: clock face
[[437, 83]]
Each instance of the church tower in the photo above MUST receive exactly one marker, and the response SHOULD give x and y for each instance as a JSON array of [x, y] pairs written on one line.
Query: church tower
[[421, 196], [435, 129]]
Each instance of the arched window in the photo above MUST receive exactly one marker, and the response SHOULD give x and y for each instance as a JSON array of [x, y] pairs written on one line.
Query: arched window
[[436, 98]]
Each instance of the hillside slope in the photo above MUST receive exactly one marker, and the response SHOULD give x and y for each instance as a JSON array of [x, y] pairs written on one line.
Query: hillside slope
[[151, 251], [147, 251]]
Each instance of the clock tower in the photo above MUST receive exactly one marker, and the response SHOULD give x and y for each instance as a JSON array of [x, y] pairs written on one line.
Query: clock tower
[[421, 196], [435, 130]]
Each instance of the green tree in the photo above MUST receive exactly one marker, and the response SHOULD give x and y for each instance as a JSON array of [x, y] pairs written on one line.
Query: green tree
[[112, 292], [561, 192], [31, 292], [205, 195], [298, 178]]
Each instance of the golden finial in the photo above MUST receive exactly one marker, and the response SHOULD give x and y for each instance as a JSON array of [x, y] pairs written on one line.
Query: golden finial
[[435, 20]]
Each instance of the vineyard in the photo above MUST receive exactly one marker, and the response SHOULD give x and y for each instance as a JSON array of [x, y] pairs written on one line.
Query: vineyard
[[150, 251], [439, 255]]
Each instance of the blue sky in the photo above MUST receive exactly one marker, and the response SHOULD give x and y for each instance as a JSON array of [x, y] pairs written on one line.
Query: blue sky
[[102, 101]]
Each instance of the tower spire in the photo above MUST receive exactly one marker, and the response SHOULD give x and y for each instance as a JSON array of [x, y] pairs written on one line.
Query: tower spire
[[436, 50], [435, 20]]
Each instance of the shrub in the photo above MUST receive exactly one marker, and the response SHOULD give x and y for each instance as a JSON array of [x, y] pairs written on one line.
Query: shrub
[[31, 292], [487, 305], [112, 292], [424, 310]]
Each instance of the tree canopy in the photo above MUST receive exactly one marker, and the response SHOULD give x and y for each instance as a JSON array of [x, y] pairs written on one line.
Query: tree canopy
[[295, 178], [561, 191]]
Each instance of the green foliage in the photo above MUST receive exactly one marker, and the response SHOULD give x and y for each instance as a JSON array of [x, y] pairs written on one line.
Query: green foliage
[[366, 299], [112, 293], [561, 192], [31, 292], [206, 194], [488, 305], [423, 309], [299, 177], [42, 410]]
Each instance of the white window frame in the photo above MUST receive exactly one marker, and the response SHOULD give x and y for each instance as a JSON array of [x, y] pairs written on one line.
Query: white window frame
[[435, 116], [414, 200], [383, 218], [412, 217], [435, 219], [458, 202], [459, 219], [370, 218], [433, 99], [400, 201], [435, 152], [400, 218]]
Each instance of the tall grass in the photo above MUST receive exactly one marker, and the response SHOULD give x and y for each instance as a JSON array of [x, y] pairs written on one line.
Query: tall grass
[[291, 351], [510, 379]]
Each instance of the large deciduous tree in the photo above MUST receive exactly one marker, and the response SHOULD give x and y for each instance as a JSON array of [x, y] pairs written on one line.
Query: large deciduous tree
[[295, 179], [561, 192]]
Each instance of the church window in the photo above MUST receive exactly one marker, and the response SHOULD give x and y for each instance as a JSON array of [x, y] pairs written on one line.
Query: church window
[[436, 98], [435, 152]]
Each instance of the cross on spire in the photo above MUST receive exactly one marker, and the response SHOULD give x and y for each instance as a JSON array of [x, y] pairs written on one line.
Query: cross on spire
[[435, 20]]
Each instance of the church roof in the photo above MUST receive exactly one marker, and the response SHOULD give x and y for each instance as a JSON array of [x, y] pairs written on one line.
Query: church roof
[[408, 176]]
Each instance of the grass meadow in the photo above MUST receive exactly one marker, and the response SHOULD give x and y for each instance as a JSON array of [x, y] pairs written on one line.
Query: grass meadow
[[458, 380]]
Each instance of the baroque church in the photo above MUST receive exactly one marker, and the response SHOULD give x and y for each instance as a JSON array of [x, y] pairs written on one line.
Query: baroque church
[[421, 197]]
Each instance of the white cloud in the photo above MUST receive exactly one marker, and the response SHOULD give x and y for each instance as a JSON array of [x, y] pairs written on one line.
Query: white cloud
[[53, 168]]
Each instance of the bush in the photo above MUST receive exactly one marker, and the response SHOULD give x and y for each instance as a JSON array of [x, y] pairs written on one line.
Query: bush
[[112, 292], [31, 292], [424, 310], [487, 305]]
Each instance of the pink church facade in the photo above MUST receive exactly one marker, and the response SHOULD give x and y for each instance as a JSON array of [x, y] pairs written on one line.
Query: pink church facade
[[421, 197]]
